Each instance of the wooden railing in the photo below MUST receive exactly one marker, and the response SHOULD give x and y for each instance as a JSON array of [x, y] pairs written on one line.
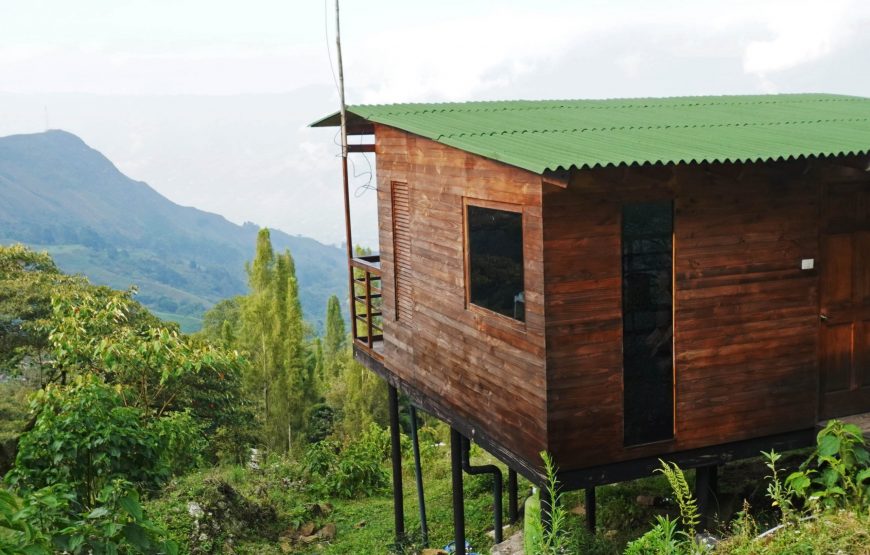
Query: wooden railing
[[367, 322]]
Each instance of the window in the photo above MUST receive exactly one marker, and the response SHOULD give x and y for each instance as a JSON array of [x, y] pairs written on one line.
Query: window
[[647, 316], [495, 261]]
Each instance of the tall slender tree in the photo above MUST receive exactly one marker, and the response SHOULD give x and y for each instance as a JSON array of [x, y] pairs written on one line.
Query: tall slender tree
[[259, 335], [335, 339]]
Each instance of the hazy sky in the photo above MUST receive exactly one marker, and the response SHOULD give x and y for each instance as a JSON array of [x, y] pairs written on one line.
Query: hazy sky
[[207, 100]]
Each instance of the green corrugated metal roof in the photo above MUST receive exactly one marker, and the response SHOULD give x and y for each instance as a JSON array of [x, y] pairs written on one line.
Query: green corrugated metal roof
[[560, 134]]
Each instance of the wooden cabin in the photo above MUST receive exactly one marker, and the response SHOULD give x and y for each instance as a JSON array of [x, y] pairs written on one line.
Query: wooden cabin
[[615, 281]]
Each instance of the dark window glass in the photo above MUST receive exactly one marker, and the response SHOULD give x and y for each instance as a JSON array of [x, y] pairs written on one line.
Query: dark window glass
[[495, 244], [648, 373]]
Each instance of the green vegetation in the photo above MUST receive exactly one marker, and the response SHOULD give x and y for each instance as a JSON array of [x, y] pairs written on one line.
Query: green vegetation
[[281, 507], [823, 506], [120, 434], [125, 403]]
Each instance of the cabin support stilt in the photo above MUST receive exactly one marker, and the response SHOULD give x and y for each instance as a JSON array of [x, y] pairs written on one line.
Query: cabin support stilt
[[458, 494], [418, 476], [396, 452], [590, 509], [513, 509], [497, 486], [706, 492], [546, 510]]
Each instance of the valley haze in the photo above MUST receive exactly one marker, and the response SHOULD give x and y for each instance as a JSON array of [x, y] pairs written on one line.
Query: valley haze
[[60, 195]]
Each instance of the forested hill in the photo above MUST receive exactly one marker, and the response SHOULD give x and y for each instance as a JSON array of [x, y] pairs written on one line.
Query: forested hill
[[58, 194]]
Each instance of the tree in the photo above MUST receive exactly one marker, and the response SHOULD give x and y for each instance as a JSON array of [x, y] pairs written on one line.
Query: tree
[[274, 333], [335, 339], [28, 280], [86, 436], [221, 323], [259, 325]]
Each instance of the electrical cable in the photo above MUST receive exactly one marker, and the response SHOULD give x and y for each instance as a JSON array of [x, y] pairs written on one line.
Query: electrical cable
[[360, 190]]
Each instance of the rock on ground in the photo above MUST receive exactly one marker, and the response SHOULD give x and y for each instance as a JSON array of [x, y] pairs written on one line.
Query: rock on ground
[[511, 546]]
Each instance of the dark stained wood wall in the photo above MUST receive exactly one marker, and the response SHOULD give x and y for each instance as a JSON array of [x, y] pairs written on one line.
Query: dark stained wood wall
[[746, 315], [484, 368]]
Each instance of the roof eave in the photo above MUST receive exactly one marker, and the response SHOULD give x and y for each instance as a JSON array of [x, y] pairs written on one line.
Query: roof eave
[[332, 120], [356, 124]]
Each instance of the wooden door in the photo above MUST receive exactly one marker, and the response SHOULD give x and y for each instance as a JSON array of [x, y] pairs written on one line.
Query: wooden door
[[845, 301]]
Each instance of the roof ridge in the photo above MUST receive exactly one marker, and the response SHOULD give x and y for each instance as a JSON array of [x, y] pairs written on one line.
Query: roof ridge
[[612, 104], [648, 127]]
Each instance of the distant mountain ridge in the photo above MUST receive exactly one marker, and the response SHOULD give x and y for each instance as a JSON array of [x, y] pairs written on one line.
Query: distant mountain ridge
[[58, 194]]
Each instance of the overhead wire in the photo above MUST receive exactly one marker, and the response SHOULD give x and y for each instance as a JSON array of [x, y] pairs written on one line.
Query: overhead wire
[[367, 186]]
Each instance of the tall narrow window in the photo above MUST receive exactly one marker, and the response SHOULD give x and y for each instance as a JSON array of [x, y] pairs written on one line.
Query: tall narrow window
[[495, 261], [402, 249], [647, 316]]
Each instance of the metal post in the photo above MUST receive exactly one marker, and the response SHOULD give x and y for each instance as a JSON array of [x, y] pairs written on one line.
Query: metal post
[[590, 509], [513, 505], [546, 510], [458, 495], [497, 486], [395, 443], [706, 492], [418, 474]]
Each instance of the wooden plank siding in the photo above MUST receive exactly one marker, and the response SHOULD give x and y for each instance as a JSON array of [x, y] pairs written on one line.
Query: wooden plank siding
[[486, 369], [746, 315]]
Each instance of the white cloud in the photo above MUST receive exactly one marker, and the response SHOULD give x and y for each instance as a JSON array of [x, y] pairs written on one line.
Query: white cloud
[[250, 158], [453, 59], [803, 32]]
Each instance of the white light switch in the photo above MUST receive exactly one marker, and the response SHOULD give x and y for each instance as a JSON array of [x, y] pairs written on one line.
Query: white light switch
[[808, 263]]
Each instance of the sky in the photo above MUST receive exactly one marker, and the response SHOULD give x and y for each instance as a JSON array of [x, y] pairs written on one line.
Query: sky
[[208, 100]]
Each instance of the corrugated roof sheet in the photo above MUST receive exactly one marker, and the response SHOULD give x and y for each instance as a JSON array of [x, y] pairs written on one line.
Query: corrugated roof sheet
[[560, 134]]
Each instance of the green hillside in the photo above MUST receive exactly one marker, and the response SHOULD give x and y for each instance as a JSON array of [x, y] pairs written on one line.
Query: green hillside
[[58, 194]]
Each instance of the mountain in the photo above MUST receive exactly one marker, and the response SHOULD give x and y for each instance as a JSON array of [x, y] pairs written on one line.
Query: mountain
[[58, 194]]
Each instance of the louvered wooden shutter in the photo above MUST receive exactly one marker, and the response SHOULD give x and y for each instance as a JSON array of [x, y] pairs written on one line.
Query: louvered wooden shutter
[[402, 249]]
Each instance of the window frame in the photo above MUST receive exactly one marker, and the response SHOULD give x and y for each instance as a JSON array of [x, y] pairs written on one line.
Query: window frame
[[476, 309]]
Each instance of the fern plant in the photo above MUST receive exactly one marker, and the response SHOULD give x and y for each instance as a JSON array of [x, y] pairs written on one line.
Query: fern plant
[[689, 516], [666, 537]]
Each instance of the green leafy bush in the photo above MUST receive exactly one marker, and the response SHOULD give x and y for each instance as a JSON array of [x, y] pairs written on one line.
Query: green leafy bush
[[837, 473], [353, 469], [50, 520], [18, 535], [86, 437], [320, 422]]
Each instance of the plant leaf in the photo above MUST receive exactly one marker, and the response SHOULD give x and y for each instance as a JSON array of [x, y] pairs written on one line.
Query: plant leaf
[[136, 535], [99, 512], [829, 445], [131, 505]]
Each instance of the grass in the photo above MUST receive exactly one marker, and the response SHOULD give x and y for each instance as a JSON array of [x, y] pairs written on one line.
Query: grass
[[364, 525], [839, 533]]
